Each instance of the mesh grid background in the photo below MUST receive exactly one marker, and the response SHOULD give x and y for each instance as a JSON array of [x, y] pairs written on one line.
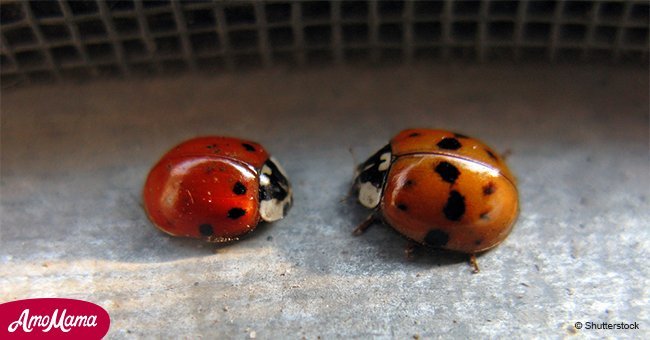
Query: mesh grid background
[[53, 40]]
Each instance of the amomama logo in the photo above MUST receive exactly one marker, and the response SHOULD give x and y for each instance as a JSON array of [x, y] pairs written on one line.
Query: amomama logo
[[53, 318]]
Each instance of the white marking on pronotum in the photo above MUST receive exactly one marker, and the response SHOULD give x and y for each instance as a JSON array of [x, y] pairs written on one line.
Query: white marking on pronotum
[[369, 195], [277, 165], [385, 161], [273, 209]]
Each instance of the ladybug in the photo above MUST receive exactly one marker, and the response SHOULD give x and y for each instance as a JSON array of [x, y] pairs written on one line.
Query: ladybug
[[215, 188], [440, 189]]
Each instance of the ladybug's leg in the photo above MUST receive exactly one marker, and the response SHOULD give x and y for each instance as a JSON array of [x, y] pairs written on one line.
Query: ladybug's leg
[[365, 225], [410, 249], [474, 263]]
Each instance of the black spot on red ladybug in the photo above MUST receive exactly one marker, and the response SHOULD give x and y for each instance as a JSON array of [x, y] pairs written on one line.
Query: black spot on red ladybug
[[402, 207], [239, 189], [236, 213], [489, 189], [460, 135], [248, 147], [449, 144], [447, 171], [491, 154], [409, 183], [478, 242], [206, 229], [455, 207], [414, 134], [436, 238]]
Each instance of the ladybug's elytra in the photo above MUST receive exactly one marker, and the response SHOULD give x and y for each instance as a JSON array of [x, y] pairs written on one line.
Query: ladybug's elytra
[[216, 188], [440, 189]]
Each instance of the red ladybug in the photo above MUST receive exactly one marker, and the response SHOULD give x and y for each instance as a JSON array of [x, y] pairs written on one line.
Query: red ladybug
[[216, 188], [440, 189]]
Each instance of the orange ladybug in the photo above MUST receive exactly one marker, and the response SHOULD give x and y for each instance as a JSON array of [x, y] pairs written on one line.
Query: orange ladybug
[[440, 189], [215, 188]]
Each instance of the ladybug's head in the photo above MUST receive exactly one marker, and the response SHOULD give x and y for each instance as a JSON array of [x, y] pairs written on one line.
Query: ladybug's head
[[275, 192], [371, 176]]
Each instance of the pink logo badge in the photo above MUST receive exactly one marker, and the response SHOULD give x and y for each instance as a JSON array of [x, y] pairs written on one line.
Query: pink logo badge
[[53, 318]]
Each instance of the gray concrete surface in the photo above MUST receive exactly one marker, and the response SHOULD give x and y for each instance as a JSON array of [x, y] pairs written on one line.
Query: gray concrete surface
[[74, 158]]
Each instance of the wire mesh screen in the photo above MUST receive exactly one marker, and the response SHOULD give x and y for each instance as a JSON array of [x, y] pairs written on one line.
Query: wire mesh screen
[[52, 40]]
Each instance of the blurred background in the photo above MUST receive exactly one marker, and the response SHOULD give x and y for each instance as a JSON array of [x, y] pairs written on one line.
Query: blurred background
[[53, 40], [94, 92]]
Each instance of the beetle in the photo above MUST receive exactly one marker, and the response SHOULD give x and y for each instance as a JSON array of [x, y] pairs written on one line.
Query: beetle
[[216, 188], [440, 189]]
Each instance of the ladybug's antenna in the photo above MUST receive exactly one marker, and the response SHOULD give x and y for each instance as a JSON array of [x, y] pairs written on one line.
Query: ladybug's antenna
[[354, 158], [354, 166], [506, 153]]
